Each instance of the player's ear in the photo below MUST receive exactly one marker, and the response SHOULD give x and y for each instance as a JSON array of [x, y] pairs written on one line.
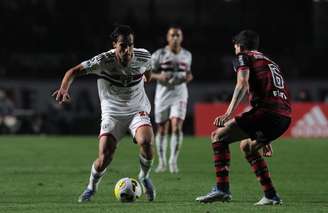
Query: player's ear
[[114, 44]]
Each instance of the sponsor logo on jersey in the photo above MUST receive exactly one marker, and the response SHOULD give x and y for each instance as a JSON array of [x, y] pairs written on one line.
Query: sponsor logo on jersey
[[241, 60]]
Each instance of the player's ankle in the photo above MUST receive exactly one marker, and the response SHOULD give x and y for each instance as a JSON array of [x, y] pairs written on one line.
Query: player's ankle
[[270, 194]]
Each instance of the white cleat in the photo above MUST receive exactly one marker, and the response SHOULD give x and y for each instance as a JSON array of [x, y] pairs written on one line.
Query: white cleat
[[173, 167], [215, 195], [266, 201], [160, 168], [86, 196]]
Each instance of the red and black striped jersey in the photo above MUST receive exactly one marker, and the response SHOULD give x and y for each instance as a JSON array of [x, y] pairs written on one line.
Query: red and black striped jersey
[[267, 87]]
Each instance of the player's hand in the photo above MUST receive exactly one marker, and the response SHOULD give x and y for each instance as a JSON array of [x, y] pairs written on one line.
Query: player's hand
[[62, 96], [267, 150], [221, 120], [164, 76]]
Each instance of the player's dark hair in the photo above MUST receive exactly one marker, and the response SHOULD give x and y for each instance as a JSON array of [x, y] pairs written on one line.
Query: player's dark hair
[[247, 39], [175, 26], [123, 30]]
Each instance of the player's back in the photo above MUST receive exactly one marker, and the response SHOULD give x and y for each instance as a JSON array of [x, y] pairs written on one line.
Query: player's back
[[267, 87]]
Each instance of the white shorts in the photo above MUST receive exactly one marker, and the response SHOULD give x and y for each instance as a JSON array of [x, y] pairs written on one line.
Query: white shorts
[[119, 126], [176, 110]]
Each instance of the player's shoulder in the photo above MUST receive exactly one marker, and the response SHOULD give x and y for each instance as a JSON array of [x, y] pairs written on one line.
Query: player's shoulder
[[243, 58], [142, 55], [141, 52], [186, 52], [159, 51], [106, 55]]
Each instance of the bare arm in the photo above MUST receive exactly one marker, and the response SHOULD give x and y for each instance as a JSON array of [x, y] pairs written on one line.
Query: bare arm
[[162, 76], [62, 94], [240, 90], [238, 95], [148, 76]]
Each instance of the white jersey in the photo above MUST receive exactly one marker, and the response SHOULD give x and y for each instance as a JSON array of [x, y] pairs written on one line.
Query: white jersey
[[164, 60], [121, 89]]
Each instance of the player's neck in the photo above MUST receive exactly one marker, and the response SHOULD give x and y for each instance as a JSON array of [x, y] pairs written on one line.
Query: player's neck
[[122, 62], [175, 49]]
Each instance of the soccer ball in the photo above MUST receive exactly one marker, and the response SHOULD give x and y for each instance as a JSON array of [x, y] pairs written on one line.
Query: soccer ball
[[127, 190]]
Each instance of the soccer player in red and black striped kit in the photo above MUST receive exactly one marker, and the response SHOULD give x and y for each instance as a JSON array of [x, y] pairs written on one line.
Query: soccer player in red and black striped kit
[[268, 119]]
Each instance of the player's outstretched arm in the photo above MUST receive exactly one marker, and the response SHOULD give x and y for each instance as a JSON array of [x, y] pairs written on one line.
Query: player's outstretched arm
[[147, 76], [62, 94], [238, 95], [162, 76]]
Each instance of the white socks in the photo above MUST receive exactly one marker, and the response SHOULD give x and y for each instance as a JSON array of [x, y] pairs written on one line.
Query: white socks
[[95, 178], [161, 147], [176, 142], [145, 167]]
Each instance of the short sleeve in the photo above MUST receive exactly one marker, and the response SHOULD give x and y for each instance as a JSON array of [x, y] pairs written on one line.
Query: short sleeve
[[189, 62], [93, 65], [155, 64], [241, 61]]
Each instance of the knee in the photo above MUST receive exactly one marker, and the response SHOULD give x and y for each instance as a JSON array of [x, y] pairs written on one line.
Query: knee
[[216, 136], [161, 130], [246, 146], [145, 142], [176, 130]]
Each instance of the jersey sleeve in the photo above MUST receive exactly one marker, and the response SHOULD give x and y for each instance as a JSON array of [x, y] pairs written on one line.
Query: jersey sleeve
[[189, 62], [146, 57], [155, 63], [241, 62], [94, 65]]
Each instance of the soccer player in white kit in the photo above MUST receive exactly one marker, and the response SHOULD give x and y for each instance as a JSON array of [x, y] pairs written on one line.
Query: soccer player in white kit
[[171, 68], [124, 105]]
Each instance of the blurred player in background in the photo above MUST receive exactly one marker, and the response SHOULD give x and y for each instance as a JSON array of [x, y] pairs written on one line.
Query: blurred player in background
[[268, 119], [171, 68], [124, 104]]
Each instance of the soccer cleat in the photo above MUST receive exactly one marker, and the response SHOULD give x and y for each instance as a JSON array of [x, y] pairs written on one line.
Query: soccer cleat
[[86, 195], [269, 201], [173, 167], [149, 188], [160, 168], [215, 195]]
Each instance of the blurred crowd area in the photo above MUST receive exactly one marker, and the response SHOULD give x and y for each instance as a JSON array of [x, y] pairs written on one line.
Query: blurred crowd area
[[27, 111], [42, 38], [79, 117]]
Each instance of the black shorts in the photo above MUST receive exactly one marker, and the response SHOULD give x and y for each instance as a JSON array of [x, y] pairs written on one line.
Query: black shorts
[[262, 125]]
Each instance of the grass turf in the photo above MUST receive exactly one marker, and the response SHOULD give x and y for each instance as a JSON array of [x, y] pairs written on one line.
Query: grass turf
[[47, 174]]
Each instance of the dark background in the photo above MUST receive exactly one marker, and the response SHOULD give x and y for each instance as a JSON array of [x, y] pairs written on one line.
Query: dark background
[[41, 39]]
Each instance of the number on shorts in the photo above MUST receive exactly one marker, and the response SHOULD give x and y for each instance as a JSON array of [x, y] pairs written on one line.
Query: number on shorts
[[278, 80]]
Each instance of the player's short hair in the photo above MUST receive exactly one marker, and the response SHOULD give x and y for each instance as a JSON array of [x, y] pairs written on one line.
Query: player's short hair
[[247, 39], [124, 30], [174, 26]]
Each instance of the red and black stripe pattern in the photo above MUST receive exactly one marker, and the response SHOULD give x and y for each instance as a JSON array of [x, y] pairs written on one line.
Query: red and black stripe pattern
[[222, 163], [260, 168]]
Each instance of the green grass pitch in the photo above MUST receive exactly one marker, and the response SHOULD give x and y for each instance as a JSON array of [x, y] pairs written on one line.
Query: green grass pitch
[[47, 174]]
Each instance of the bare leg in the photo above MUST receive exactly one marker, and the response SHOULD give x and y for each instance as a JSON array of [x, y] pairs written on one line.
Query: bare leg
[[107, 147]]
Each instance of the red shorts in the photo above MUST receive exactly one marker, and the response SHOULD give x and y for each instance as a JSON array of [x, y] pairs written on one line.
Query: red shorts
[[262, 125]]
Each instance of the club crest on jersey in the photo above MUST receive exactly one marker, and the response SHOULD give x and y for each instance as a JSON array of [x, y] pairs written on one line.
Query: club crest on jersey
[[241, 60]]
